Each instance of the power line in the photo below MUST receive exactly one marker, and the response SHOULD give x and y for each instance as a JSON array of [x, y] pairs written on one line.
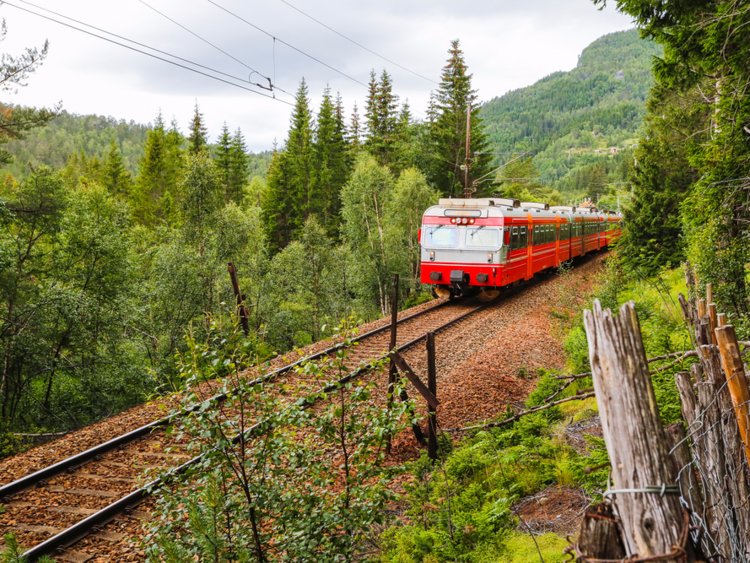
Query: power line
[[124, 39], [358, 44], [271, 86], [130, 47], [300, 51]]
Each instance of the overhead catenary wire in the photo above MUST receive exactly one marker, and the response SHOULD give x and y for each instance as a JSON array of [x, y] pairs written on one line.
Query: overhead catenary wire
[[141, 51], [297, 49], [357, 43], [134, 42], [270, 87]]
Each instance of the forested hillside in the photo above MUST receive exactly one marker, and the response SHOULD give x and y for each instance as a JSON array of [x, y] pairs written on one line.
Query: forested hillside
[[580, 126], [81, 137]]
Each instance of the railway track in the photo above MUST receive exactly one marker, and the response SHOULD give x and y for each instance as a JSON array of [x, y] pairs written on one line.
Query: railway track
[[56, 506]]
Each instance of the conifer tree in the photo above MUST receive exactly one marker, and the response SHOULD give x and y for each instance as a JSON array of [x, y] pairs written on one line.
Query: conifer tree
[[354, 132], [381, 117], [16, 121], [239, 167], [288, 201], [198, 138], [330, 164], [231, 162], [155, 187], [221, 155], [448, 128], [704, 68], [115, 177]]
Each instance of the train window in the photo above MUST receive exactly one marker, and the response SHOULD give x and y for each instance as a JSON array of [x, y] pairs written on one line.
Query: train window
[[440, 236], [514, 238], [483, 236], [523, 239]]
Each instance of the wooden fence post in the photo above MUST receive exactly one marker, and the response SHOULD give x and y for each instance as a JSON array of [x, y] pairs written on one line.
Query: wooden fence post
[[392, 370], [432, 444], [241, 308], [731, 362], [653, 521]]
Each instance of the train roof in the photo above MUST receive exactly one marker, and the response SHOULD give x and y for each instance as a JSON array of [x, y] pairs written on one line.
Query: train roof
[[506, 207]]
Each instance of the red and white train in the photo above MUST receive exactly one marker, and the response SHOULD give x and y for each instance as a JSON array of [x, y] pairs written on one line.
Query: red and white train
[[487, 243]]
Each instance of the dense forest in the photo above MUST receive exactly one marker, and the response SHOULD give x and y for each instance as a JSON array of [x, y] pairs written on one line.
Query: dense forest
[[115, 237], [133, 225]]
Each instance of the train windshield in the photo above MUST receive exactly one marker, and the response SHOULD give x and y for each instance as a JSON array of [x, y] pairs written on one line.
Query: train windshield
[[483, 236], [440, 235]]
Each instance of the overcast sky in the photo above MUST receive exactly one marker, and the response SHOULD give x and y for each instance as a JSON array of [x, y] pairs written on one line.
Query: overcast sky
[[507, 44]]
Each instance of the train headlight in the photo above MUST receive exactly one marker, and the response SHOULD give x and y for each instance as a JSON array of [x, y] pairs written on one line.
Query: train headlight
[[489, 257], [432, 255]]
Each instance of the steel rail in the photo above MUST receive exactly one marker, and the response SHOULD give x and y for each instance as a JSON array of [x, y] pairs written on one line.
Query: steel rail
[[82, 528], [72, 462]]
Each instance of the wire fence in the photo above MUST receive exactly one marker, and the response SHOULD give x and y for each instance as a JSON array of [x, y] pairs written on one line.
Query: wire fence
[[705, 460]]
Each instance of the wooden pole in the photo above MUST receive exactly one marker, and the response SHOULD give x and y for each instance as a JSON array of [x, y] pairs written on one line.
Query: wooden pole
[[701, 308], [432, 444], [713, 319], [467, 159], [394, 324], [241, 309], [731, 362], [652, 523], [392, 370], [721, 319]]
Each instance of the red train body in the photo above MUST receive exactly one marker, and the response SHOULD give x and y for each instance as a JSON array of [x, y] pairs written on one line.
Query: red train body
[[489, 243]]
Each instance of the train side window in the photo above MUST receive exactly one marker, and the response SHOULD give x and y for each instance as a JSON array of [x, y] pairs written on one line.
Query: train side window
[[523, 238], [514, 238]]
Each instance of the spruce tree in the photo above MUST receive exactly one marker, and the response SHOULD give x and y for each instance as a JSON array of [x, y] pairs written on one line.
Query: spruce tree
[[155, 189], [330, 165], [448, 128], [115, 177], [239, 167], [354, 133], [198, 138], [705, 70], [289, 197], [381, 117], [222, 158]]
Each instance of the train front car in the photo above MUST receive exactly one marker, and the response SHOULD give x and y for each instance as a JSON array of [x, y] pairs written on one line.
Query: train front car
[[464, 247], [481, 245]]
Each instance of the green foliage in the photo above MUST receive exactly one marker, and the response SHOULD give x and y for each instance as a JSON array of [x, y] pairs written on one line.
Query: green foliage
[[363, 201], [404, 207], [202, 197], [701, 81], [155, 189], [522, 548], [309, 289], [282, 482], [332, 164], [381, 117], [460, 509]]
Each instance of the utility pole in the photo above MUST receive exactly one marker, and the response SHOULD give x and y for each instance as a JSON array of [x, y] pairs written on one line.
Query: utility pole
[[467, 160]]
